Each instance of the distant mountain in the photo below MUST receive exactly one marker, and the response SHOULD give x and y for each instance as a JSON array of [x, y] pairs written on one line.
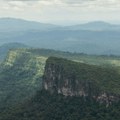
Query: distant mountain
[[8, 46], [12, 24], [81, 41], [95, 26], [91, 38]]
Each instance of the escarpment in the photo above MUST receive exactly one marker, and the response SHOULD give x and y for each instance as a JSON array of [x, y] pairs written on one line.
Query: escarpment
[[77, 79]]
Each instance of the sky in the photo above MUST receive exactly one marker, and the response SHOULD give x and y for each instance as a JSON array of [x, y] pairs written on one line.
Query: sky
[[62, 12]]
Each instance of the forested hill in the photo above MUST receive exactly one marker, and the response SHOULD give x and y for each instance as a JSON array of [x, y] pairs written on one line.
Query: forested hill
[[21, 72], [21, 76]]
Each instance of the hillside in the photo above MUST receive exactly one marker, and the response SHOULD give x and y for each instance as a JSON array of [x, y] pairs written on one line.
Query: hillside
[[20, 77], [62, 73], [78, 57], [77, 79], [21, 72]]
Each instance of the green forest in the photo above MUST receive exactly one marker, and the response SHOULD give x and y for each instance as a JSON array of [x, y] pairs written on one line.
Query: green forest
[[21, 75], [44, 106]]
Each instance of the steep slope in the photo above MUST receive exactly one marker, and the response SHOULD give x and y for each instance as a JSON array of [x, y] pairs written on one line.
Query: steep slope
[[20, 77], [22, 70], [77, 79]]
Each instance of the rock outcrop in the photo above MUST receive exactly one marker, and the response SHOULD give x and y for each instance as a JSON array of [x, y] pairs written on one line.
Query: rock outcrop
[[76, 79]]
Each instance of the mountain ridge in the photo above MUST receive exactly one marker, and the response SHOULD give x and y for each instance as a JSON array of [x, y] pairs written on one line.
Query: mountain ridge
[[70, 78], [22, 70], [95, 26], [81, 39], [16, 24], [22, 73], [35, 25]]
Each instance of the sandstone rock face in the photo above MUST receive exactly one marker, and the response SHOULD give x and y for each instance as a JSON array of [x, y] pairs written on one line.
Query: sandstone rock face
[[63, 77]]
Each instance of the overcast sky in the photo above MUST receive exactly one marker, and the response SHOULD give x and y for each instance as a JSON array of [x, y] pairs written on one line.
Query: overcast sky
[[62, 11]]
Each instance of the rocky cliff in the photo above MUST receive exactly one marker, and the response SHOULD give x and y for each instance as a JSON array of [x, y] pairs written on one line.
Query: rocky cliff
[[76, 79]]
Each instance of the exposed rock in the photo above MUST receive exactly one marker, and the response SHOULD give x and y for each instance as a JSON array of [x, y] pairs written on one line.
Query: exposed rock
[[64, 77]]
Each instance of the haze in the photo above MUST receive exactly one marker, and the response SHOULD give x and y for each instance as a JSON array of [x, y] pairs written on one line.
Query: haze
[[62, 12]]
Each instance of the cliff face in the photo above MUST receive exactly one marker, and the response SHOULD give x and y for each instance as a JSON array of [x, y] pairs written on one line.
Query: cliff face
[[75, 79], [56, 80]]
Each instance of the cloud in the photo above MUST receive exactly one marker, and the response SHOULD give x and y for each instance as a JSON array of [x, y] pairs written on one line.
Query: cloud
[[70, 1], [74, 3], [93, 3], [66, 4], [61, 10]]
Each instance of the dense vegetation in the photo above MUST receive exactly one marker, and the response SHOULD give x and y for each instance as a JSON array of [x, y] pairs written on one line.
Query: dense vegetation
[[21, 76], [21, 72], [78, 57], [44, 106], [103, 78]]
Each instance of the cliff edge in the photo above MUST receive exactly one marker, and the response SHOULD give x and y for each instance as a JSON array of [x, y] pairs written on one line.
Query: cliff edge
[[70, 78]]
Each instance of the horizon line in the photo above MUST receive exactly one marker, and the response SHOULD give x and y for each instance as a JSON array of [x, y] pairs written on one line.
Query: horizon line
[[81, 23]]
